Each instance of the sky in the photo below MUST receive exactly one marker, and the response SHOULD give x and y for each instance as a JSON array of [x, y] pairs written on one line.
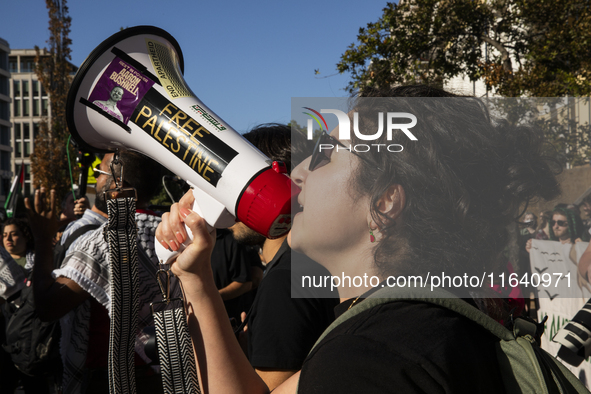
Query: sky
[[244, 59]]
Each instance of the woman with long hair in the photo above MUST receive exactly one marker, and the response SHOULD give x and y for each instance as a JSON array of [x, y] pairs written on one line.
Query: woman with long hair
[[438, 206], [18, 241]]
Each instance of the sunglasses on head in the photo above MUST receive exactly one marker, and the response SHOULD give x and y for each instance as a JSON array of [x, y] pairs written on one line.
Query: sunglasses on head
[[325, 145], [560, 223]]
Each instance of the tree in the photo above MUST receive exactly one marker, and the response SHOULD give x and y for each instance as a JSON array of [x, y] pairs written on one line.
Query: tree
[[518, 47], [49, 161]]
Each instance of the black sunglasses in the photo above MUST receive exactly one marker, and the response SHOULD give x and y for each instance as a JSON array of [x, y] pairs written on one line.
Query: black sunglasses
[[560, 223], [325, 145]]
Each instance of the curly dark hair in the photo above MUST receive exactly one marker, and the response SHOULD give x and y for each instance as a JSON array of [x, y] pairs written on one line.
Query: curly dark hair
[[23, 226], [464, 179]]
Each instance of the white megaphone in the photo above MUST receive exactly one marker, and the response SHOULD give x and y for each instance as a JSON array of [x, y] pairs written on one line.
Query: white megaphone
[[130, 94]]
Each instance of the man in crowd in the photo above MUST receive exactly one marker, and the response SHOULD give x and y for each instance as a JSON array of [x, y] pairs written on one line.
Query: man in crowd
[[79, 291], [281, 329], [230, 263]]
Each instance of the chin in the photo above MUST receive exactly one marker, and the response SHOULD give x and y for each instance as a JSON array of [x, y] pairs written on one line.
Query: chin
[[247, 236]]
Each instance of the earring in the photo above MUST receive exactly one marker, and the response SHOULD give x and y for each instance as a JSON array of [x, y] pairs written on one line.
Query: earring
[[372, 238]]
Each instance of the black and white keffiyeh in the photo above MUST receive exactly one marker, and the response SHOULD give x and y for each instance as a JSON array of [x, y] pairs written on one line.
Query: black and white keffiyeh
[[87, 264]]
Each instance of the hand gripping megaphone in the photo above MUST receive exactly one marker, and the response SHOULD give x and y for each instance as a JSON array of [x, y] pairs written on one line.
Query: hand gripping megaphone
[[130, 94]]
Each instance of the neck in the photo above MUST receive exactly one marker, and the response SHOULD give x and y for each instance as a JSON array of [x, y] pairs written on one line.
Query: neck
[[354, 274], [270, 248], [95, 209], [18, 256]]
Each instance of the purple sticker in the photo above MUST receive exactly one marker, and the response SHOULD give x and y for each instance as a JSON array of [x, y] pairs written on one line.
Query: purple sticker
[[120, 89]]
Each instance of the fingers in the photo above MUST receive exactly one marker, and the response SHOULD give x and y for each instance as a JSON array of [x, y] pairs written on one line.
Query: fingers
[[177, 225], [29, 205], [195, 258], [198, 226], [164, 234], [52, 198], [39, 197], [187, 200]]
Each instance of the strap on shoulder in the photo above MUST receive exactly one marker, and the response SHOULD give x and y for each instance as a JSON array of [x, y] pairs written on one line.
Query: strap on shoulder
[[438, 297]]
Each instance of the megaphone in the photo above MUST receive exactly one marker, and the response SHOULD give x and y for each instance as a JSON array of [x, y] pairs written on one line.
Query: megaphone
[[130, 94]]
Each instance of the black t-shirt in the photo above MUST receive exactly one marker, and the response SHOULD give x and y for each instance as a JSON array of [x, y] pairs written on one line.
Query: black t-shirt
[[404, 347], [230, 262], [282, 329]]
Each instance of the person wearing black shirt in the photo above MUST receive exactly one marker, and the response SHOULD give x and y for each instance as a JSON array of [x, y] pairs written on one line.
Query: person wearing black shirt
[[440, 204], [231, 264], [285, 320]]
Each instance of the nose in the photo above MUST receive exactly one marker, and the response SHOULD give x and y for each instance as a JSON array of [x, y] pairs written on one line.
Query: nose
[[300, 173]]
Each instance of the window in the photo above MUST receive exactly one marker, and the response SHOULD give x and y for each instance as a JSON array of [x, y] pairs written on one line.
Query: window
[[44, 107], [4, 60], [12, 64], [5, 186], [17, 107], [5, 161], [4, 136], [35, 130], [17, 140], [36, 110], [4, 86], [35, 88], [26, 107], [25, 89], [27, 64], [27, 180], [27, 139], [16, 88], [4, 110]]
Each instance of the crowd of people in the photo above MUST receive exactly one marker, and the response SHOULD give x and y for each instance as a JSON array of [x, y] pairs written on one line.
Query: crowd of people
[[441, 204]]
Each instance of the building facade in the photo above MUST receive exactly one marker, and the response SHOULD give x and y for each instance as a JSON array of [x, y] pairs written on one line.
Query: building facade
[[5, 125], [30, 103]]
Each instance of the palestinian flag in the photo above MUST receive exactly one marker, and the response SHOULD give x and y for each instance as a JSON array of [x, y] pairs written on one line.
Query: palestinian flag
[[15, 190]]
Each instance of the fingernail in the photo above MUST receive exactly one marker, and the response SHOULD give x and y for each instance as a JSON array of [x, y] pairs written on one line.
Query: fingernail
[[179, 237], [185, 212], [173, 245], [164, 244]]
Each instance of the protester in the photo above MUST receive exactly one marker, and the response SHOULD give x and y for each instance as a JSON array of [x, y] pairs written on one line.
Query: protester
[[566, 225], [17, 239], [231, 264], [284, 321], [80, 293], [441, 204], [543, 230], [585, 208]]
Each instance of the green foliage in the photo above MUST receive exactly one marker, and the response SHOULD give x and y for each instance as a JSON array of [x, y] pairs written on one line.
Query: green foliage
[[304, 130], [49, 163], [567, 138], [518, 47]]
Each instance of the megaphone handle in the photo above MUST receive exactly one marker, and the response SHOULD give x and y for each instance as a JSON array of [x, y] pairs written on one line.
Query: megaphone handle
[[165, 256]]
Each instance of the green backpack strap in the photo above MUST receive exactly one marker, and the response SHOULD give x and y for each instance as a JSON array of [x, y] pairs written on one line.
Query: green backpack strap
[[525, 367]]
